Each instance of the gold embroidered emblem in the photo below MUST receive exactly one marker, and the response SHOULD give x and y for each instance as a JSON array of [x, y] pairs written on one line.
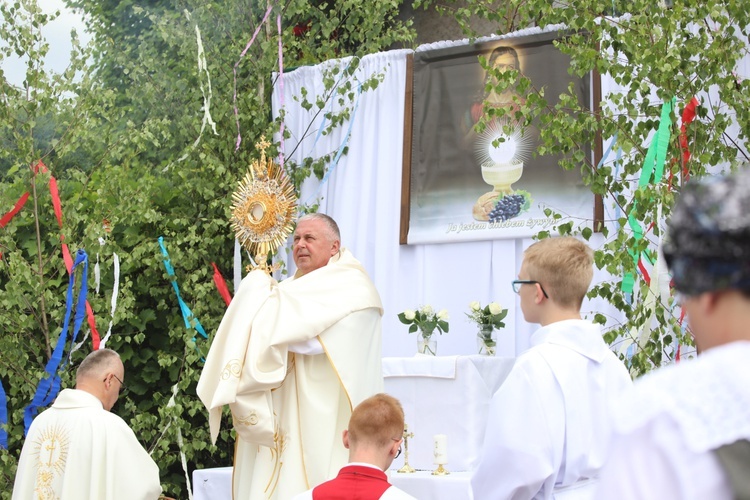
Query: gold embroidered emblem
[[232, 369], [279, 445], [251, 419], [51, 451]]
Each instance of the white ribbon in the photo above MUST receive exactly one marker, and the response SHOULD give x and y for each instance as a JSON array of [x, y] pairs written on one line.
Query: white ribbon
[[183, 459], [202, 68], [78, 345], [115, 292], [171, 404], [237, 265], [97, 272]]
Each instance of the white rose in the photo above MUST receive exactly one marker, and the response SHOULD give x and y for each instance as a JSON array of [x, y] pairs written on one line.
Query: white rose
[[443, 314], [427, 309], [495, 308], [475, 306], [409, 314]]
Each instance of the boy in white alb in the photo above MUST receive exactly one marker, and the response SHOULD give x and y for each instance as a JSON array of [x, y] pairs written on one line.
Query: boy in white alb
[[547, 426], [685, 431]]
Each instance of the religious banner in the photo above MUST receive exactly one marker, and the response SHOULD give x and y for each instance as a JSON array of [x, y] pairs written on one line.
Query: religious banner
[[461, 185]]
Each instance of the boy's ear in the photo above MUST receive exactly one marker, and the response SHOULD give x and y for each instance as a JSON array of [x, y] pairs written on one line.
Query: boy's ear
[[539, 293], [708, 302]]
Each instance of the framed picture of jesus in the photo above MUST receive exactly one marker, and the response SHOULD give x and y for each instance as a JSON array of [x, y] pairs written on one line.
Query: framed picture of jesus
[[459, 184]]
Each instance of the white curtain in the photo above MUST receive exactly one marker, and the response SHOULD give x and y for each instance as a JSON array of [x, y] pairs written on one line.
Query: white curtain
[[363, 194]]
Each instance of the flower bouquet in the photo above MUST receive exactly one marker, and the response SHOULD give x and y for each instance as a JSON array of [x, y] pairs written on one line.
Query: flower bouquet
[[488, 318], [426, 320]]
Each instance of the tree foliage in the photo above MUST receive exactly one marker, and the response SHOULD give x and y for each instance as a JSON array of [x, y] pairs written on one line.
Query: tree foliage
[[128, 131], [654, 54]]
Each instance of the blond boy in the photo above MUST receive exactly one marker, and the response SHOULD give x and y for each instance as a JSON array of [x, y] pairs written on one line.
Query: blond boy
[[548, 422]]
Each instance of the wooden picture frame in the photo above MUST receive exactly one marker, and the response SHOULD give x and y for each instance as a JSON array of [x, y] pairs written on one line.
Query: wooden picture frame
[[447, 166]]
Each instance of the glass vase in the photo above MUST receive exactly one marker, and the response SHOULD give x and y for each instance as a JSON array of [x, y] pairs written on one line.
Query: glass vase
[[426, 344], [487, 340]]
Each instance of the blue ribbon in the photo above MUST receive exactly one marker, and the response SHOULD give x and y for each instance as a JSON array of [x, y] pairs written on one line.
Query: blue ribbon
[[49, 386], [186, 312], [617, 166], [3, 418]]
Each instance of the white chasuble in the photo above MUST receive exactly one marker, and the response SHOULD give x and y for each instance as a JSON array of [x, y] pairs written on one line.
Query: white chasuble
[[549, 423], [666, 432], [76, 450], [288, 409]]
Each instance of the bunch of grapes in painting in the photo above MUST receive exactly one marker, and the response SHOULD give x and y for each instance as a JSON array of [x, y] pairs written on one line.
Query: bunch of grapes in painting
[[507, 207]]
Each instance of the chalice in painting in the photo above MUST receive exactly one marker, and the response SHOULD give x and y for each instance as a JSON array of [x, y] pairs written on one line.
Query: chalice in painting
[[500, 150]]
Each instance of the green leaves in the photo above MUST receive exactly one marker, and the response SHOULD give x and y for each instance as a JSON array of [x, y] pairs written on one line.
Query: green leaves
[[121, 140], [651, 55], [425, 319]]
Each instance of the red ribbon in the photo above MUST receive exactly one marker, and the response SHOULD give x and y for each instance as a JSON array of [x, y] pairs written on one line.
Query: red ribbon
[[55, 199], [688, 115], [67, 258], [13, 211], [221, 285], [40, 165], [643, 270], [92, 325], [641, 266]]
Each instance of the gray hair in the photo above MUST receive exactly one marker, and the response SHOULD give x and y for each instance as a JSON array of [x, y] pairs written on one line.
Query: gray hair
[[333, 229], [96, 363]]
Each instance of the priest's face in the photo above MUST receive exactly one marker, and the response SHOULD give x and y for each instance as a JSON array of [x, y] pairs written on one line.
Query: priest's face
[[313, 245]]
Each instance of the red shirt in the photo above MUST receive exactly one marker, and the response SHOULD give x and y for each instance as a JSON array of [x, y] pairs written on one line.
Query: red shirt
[[354, 482]]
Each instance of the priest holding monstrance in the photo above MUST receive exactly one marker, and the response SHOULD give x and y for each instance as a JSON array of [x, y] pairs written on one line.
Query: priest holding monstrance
[[291, 358]]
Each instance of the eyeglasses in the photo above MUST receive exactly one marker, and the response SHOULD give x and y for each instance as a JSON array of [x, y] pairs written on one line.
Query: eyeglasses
[[517, 286], [123, 389], [400, 446]]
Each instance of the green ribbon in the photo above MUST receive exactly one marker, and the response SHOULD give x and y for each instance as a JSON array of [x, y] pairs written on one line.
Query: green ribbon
[[651, 173]]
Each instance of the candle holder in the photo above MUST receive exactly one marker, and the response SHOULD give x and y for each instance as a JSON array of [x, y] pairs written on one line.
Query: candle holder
[[440, 471], [406, 469]]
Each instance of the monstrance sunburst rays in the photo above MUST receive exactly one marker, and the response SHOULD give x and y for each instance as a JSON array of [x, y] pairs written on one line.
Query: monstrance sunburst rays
[[263, 207]]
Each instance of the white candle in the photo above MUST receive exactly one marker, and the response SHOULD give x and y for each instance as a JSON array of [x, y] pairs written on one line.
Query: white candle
[[441, 449]]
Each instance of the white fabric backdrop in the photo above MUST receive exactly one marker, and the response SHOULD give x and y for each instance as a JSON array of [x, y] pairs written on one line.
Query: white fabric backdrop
[[363, 194]]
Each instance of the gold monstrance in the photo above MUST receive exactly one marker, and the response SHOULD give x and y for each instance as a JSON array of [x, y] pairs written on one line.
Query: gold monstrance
[[263, 208]]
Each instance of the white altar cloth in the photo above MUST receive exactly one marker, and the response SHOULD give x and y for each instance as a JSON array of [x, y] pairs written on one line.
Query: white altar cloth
[[422, 485], [212, 484], [441, 395], [445, 395], [216, 484]]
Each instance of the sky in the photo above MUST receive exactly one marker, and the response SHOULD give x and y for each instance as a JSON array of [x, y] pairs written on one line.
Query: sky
[[57, 34]]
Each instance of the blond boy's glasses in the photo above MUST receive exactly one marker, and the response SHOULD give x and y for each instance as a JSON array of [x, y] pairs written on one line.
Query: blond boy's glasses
[[517, 286]]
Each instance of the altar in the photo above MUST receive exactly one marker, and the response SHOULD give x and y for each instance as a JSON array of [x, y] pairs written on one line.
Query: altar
[[216, 484], [447, 395]]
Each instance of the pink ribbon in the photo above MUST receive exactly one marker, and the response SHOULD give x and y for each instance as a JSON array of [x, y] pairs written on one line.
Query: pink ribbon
[[234, 70], [281, 94]]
